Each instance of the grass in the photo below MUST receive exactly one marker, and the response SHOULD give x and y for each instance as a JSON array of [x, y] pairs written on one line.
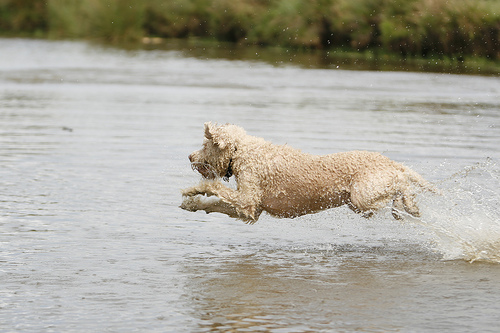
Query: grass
[[450, 30]]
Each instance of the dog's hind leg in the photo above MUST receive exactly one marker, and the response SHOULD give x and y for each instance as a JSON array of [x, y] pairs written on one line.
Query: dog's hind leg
[[364, 213], [398, 207], [365, 198], [404, 202], [410, 204]]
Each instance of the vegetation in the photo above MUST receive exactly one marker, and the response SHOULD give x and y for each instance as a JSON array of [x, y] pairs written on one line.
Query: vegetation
[[417, 28], [21, 17]]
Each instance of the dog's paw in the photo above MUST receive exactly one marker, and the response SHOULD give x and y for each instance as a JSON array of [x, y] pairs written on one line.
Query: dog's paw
[[191, 192], [191, 204]]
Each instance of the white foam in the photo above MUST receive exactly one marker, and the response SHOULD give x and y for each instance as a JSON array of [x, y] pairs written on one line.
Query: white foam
[[465, 220]]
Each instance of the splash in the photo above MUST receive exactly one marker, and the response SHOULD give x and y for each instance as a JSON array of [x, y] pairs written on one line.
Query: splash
[[465, 219]]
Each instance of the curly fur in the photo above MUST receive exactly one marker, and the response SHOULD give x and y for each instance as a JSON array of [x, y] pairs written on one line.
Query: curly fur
[[285, 182]]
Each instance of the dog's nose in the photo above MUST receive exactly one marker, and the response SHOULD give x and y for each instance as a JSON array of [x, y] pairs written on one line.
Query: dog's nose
[[190, 157]]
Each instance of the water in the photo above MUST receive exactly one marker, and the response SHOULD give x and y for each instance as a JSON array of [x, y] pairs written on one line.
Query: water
[[93, 155]]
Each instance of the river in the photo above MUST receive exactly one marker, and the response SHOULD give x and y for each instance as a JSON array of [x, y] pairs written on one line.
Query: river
[[93, 156]]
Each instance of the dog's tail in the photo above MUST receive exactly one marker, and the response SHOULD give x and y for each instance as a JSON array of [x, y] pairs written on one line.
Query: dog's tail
[[418, 180]]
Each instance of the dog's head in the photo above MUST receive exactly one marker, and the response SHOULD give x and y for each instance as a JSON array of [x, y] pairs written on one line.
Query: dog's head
[[219, 147]]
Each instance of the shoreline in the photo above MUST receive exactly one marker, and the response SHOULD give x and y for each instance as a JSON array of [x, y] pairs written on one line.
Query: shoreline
[[343, 59], [338, 58], [454, 35]]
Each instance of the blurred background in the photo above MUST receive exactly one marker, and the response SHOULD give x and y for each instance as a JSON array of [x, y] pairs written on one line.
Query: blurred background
[[453, 31]]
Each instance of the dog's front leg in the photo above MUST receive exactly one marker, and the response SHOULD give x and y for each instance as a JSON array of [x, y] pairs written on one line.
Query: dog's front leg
[[206, 187], [196, 203], [242, 203]]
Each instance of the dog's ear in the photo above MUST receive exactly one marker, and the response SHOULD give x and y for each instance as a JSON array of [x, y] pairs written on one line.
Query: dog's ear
[[219, 142], [213, 133], [208, 130], [219, 139]]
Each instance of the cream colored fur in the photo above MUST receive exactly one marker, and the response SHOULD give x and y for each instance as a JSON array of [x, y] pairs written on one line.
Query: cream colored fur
[[286, 182]]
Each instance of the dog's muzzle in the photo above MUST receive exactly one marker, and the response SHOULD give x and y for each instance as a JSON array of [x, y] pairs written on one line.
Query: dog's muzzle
[[204, 169]]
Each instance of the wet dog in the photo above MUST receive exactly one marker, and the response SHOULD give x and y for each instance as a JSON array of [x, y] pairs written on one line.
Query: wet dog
[[285, 182]]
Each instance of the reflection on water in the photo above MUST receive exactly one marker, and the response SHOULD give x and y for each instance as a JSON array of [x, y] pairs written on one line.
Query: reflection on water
[[93, 154], [331, 59], [351, 288]]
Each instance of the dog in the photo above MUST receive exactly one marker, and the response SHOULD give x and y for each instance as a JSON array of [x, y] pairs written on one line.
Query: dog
[[285, 182]]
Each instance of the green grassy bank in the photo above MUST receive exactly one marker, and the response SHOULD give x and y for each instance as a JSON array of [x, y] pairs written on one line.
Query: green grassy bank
[[411, 28]]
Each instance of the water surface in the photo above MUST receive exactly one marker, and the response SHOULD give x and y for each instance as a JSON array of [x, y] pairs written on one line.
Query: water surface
[[93, 155]]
